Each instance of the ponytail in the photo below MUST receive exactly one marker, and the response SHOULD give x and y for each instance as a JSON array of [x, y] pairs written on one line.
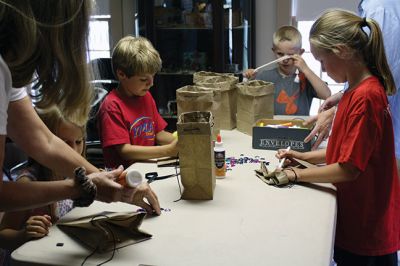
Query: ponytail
[[375, 56], [340, 27]]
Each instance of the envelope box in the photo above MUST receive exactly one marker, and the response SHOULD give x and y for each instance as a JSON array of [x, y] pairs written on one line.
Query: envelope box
[[270, 138]]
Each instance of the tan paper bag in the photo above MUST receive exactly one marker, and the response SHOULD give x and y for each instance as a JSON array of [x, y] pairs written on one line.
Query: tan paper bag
[[107, 230], [204, 76], [192, 98], [196, 156], [255, 100], [225, 83]]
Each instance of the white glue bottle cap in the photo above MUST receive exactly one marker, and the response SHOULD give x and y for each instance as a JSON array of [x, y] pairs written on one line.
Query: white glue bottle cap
[[132, 179]]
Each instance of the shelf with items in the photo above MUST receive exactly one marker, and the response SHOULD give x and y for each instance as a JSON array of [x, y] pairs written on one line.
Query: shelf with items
[[196, 35], [180, 27]]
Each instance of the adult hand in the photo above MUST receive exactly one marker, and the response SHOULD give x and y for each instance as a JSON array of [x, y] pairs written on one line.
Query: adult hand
[[249, 73], [330, 102], [323, 122], [110, 191], [107, 189], [142, 192], [37, 226]]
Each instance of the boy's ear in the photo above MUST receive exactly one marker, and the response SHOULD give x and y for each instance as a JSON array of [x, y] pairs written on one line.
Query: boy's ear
[[120, 74]]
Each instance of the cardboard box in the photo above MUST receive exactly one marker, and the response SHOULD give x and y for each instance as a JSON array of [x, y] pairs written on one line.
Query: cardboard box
[[268, 138]]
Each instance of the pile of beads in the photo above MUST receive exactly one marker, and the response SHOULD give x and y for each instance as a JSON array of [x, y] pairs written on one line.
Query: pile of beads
[[232, 161]]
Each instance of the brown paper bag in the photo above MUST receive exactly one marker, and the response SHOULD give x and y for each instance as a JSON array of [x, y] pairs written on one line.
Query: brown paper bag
[[107, 230], [204, 76], [196, 156], [278, 177], [196, 98], [226, 84], [255, 101]]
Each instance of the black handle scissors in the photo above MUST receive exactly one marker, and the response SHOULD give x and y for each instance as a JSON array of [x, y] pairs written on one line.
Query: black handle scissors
[[153, 176]]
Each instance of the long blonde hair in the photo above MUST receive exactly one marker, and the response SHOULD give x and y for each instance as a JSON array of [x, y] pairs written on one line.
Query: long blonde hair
[[341, 27], [47, 40]]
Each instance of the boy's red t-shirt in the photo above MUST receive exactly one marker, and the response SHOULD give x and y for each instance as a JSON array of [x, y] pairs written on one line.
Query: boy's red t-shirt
[[133, 120], [368, 219]]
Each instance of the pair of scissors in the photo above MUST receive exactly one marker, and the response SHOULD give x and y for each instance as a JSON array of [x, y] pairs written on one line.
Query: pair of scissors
[[153, 176]]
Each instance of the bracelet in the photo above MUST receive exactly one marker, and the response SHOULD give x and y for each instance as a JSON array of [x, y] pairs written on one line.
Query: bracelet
[[295, 174], [88, 188]]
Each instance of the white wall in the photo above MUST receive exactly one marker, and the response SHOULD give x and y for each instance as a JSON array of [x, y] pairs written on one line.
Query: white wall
[[311, 9], [123, 24], [265, 27]]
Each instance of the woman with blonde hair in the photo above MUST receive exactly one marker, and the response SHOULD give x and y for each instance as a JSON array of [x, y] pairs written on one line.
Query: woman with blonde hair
[[46, 40]]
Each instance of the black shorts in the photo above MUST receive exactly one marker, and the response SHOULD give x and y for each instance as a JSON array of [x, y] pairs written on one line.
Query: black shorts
[[345, 258]]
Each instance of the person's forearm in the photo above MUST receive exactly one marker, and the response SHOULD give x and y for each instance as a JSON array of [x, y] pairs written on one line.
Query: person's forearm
[[333, 173], [137, 152], [28, 195], [11, 239], [314, 157], [66, 161], [20, 195], [30, 133], [318, 84], [164, 137], [59, 157]]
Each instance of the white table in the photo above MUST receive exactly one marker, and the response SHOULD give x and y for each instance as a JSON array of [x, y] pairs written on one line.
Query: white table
[[247, 223]]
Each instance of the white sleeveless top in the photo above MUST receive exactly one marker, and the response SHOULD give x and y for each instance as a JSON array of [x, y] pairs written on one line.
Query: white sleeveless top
[[7, 94]]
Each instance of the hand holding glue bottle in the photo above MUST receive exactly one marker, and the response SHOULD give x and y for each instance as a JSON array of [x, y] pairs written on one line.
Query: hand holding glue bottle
[[130, 178], [133, 179]]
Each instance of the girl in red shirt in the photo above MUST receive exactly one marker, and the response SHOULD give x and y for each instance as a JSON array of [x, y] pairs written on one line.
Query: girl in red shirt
[[360, 154]]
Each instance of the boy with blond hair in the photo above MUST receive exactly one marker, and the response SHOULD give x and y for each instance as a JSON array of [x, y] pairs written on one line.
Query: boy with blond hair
[[131, 129], [295, 83]]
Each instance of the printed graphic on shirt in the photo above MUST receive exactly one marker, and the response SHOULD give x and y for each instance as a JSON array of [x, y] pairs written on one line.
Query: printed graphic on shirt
[[283, 98], [143, 127], [290, 101]]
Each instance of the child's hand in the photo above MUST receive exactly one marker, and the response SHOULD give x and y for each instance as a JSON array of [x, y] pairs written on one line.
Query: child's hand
[[288, 155], [249, 73], [37, 226], [173, 148], [299, 62]]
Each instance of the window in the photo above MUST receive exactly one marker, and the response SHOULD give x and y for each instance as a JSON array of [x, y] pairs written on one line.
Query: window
[[99, 37], [304, 28]]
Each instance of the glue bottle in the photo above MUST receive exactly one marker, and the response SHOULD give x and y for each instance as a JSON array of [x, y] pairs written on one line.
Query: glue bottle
[[219, 158], [132, 178]]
